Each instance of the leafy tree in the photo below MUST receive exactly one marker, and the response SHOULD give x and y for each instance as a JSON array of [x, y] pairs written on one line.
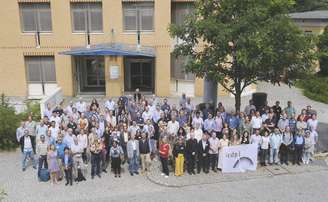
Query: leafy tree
[[9, 121], [238, 43], [323, 52], [309, 5]]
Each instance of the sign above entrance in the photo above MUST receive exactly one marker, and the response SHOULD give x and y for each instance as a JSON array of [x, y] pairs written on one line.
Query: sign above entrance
[[114, 72]]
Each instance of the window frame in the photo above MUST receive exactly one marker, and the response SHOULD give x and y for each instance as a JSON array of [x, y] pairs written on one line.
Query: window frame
[[87, 15], [36, 7], [42, 76], [175, 60], [138, 7]]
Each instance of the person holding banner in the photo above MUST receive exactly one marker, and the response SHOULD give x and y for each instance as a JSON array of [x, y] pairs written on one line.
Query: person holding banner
[[224, 142], [203, 155]]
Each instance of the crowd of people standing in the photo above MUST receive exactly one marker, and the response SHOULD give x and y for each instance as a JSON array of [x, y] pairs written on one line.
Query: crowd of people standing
[[138, 130]]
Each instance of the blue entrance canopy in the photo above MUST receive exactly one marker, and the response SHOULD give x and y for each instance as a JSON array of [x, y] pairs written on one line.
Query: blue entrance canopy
[[112, 49]]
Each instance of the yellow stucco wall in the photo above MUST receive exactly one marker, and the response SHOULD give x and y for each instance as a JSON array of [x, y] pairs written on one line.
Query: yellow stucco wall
[[14, 44]]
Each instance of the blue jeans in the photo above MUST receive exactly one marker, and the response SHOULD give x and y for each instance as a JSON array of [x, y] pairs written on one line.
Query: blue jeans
[[28, 153], [133, 163], [273, 155]]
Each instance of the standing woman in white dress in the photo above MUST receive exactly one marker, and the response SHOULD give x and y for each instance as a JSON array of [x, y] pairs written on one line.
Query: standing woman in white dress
[[224, 142]]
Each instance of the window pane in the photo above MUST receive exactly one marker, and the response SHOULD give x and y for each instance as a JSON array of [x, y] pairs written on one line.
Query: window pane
[[180, 11], [178, 68], [146, 19], [28, 17], [79, 18], [130, 19], [33, 69], [48, 68], [96, 22], [44, 17]]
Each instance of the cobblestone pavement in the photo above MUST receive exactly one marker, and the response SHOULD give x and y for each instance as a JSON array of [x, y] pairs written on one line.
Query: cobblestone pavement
[[213, 178], [293, 183]]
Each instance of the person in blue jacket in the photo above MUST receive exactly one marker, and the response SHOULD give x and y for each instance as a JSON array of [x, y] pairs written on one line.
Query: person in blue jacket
[[299, 146]]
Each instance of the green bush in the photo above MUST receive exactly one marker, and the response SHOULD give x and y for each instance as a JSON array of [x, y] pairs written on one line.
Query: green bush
[[9, 121], [315, 88], [33, 109]]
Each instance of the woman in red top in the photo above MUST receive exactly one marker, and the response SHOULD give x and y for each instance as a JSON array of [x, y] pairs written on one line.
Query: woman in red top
[[164, 149]]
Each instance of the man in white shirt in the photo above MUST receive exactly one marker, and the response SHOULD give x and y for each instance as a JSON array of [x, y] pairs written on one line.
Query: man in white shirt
[[54, 130], [147, 114], [198, 132], [69, 138], [256, 138], [197, 120], [110, 104], [20, 131], [256, 121], [41, 129], [173, 126], [81, 106]]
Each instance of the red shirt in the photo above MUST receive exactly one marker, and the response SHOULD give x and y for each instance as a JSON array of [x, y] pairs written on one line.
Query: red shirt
[[164, 150]]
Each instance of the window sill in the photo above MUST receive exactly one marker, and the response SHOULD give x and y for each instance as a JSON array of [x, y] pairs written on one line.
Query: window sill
[[135, 32], [34, 33], [91, 33]]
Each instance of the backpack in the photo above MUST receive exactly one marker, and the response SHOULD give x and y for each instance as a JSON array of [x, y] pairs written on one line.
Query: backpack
[[44, 175]]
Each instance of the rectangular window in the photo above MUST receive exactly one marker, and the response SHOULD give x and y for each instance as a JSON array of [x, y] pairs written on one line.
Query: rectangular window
[[40, 69], [138, 16], [35, 17], [178, 68], [87, 17], [180, 11]]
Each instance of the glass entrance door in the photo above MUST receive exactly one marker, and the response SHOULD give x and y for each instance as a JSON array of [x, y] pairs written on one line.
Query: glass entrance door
[[91, 70], [139, 73]]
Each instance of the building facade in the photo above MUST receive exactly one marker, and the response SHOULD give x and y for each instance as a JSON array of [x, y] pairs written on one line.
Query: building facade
[[95, 47]]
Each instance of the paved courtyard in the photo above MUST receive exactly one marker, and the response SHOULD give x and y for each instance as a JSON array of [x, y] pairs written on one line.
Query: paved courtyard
[[293, 183]]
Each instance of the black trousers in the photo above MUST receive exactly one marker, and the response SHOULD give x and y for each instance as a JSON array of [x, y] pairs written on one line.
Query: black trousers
[[298, 154], [68, 175], [165, 167], [284, 152], [116, 165], [214, 161], [95, 164], [203, 163], [191, 162], [84, 156], [263, 155]]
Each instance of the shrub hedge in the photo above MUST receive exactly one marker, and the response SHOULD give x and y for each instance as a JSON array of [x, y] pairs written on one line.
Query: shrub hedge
[[315, 88]]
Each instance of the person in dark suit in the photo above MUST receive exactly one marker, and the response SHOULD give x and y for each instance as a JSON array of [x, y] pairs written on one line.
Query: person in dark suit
[[67, 162], [203, 156], [191, 151]]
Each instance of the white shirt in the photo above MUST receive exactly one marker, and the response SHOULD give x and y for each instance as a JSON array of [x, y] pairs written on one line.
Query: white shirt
[[313, 124], [110, 105], [27, 143], [147, 115], [134, 145], [56, 119], [81, 106], [256, 122], [265, 142], [76, 148], [256, 139], [196, 121], [198, 134], [83, 140], [54, 132], [172, 128]]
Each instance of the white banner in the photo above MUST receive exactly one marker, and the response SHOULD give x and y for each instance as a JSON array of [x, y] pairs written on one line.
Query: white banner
[[239, 158]]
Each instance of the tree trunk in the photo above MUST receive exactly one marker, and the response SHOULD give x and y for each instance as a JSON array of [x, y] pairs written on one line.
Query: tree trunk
[[237, 102], [210, 91], [238, 96]]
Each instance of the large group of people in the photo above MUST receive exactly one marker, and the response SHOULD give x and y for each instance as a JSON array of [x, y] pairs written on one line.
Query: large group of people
[[137, 130]]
